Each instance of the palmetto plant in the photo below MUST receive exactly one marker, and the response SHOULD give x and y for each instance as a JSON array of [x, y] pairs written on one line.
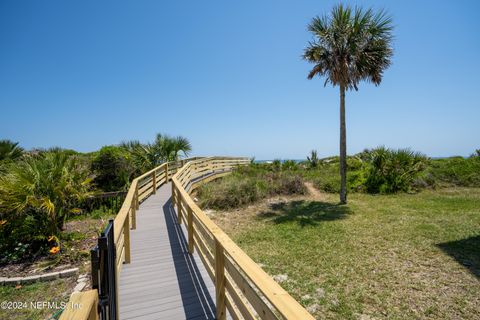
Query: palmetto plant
[[349, 46], [10, 150], [164, 148], [144, 156], [391, 171], [170, 148], [180, 145], [47, 187]]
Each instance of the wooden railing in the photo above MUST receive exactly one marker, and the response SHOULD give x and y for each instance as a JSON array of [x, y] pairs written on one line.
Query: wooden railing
[[125, 220], [82, 305], [242, 287]]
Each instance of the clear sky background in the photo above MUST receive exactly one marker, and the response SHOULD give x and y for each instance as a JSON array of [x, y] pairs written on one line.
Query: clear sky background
[[229, 76]]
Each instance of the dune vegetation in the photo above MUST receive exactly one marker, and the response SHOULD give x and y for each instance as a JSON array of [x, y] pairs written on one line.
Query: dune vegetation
[[406, 246], [44, 191]]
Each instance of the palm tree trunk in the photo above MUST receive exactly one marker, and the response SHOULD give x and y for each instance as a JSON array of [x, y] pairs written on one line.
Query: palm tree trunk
[[343, 148]]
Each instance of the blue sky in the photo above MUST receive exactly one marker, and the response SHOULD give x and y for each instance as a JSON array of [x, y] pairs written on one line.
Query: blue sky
[[228, 75]]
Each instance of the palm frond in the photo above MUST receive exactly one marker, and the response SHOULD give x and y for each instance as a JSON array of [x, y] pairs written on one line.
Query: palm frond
[[350, 46]]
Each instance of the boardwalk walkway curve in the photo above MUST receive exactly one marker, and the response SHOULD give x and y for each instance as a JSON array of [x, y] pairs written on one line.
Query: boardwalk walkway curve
[[173, 262]]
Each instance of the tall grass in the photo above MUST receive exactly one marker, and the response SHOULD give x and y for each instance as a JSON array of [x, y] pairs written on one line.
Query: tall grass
[[248, 185]]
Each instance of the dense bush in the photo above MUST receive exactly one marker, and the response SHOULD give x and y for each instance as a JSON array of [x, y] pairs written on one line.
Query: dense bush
[[247, 185], [392, 171], [113, 168], [456, 171], [37, 194]]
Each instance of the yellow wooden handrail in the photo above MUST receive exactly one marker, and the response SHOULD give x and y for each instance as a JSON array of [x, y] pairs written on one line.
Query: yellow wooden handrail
[[140, 189], [241, 285], [82, 306]]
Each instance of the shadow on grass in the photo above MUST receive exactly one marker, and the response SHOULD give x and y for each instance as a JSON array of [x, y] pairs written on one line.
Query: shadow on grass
[[466, 252], [305, 213]]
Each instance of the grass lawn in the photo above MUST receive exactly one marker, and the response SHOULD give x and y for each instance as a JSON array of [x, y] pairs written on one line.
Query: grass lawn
[[57, 291], [397, 257]]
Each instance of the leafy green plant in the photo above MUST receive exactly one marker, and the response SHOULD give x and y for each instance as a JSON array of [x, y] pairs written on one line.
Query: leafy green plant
[[289, 165], [38, 193], [247, 185], [276, 165], [391, 171], [456, 171], [113, 168], [164, 148], [10, 150], [313, 160]]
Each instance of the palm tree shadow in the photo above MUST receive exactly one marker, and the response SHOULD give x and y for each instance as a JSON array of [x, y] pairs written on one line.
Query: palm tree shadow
[[305, 213], [466, 252]]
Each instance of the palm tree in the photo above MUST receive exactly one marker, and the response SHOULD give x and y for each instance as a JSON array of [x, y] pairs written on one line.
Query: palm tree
[[180, 144], [349, 46], [164, 148], [169, 148], [144, 156]]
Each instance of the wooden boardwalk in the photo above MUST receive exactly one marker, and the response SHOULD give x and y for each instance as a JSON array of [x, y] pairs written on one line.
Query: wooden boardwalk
[[163, 281]]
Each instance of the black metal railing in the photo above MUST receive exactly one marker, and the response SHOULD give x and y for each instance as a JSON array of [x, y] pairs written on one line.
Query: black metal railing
[[106, 202], [104, 273]]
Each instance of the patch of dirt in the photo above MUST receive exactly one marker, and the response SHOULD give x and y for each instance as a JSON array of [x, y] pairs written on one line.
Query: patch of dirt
[[314, 192], [75, 251], [231, 220]]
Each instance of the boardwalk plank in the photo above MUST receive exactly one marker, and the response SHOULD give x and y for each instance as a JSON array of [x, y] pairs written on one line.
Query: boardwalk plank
[[163, 281]]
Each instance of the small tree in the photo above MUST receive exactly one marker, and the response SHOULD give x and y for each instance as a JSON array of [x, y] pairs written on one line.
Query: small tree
[[349, 46]]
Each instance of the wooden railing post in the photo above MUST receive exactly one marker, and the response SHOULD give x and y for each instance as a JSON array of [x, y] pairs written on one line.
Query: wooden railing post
[[154, 181], [220, 280], [136, 198], [179, 207], [133, 214], [126, 239], [166, 172], [190, 229], [173, 196]]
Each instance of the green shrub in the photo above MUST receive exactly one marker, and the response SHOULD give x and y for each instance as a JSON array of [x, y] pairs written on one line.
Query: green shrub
[[392, 171], [327, 177], [312, 160], [276, 165], [37, 194], [456, 171], [9, 150], [247, 185], [289, 165], [113, 169]]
